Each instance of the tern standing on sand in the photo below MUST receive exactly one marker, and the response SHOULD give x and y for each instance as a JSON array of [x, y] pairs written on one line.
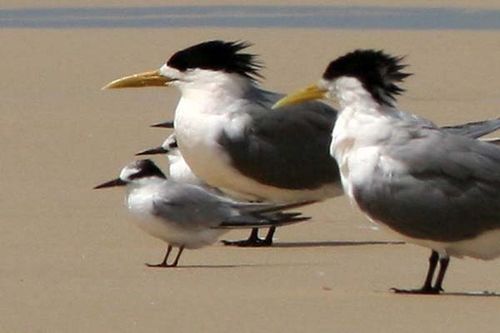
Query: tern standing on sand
[[432, 187], [189, 216]]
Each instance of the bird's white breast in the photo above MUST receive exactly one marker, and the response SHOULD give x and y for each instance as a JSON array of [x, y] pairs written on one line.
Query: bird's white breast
[[356, 145]]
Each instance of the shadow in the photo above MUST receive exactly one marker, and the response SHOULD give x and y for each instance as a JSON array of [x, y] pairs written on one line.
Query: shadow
[[181, 267], [335, 243], [484, 293]]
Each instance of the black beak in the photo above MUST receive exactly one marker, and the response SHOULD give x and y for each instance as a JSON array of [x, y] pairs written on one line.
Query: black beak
[[153, 151], [111, 183], [166, 124]]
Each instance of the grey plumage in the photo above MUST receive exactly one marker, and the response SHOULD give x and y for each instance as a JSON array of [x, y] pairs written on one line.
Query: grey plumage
[[285, 148], [450, 192], [475, 129], [192, 207]]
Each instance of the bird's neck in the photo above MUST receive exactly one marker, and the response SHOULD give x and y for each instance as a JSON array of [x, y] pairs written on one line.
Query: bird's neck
[[221, 93], [362, 122]]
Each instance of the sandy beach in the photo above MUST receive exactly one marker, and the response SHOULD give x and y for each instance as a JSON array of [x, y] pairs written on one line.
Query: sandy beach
[[71, 261]]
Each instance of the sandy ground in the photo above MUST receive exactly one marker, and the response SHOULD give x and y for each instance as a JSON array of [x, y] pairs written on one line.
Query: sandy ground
[[70, 261]]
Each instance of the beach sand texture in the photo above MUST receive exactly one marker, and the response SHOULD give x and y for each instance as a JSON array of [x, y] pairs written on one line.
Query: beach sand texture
[[70, 261]]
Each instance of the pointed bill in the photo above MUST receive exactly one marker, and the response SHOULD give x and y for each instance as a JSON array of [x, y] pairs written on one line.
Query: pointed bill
[[152, 151], [111, 183], [146, 79], [166, 124], [310, 93]]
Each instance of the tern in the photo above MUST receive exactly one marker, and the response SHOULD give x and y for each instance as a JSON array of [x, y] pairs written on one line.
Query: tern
[[232, 139], [187, 216], [179, 170], [431, 186]]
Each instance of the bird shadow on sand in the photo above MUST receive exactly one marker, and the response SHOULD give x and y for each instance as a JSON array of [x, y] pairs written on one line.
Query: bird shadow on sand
[[484, 293], [186, 267], [334, 243]]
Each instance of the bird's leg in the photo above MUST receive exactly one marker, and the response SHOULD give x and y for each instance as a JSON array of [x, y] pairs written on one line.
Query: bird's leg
[[427, 288], [176, 261], [443, 266], [268, 241], [164, 262], [253, 240]]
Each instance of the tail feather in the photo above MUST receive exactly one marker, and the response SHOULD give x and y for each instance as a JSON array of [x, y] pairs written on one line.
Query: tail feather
[[243, 222], [261, 208], [475, 129]]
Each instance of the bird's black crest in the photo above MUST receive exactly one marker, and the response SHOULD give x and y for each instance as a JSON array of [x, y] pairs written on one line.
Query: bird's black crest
[[147, 168], [218, 56], [377, 71]]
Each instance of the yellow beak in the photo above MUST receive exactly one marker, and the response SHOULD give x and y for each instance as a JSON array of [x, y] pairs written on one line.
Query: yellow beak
[[310, 93], [146, 79]]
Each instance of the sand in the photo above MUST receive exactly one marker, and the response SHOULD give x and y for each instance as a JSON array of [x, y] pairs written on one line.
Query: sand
[[70, 261]]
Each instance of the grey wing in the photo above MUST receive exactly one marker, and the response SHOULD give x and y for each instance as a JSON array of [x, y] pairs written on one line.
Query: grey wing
[[191, 206], [450, 192], [194, 207], [474, 129], [286, 147]]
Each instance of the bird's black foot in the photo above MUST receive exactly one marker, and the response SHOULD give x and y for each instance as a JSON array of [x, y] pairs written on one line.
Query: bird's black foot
[[251, 242], [420, 291], [161, 265]]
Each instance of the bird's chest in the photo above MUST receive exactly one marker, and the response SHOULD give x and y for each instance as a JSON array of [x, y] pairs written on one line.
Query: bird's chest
[[197, 135], [140, 204], [357, 145]]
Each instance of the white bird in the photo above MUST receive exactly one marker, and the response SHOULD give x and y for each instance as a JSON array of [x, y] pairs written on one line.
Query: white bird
[[189, 216], [432, 187], [232, 139], [179, 170]]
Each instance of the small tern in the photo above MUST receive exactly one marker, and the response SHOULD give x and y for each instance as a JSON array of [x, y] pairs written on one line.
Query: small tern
[[431, 186], [232, 139], [187, 216]]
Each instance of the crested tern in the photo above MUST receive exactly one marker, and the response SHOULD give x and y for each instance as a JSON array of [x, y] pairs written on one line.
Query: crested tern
[[187, 216], [232, 139], [431, 186]]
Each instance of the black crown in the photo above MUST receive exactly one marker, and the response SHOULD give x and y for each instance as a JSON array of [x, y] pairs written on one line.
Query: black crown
[[377, 71], [218, 56], [147, 168]]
